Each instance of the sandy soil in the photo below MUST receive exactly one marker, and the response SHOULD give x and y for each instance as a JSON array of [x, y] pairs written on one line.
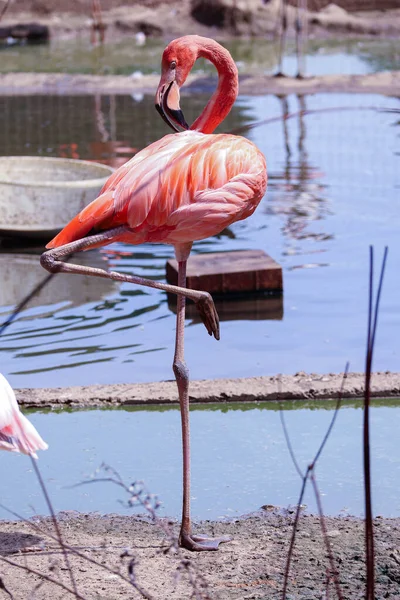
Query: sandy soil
[[249, 567]]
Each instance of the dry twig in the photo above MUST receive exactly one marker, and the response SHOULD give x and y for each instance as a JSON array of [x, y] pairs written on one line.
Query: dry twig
[[372, 326], [2, 13], [310, 474]]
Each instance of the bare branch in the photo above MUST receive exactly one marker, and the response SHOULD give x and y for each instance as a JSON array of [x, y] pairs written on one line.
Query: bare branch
[[25, 301], [35, 589], [293, 536], [333, 571], [29, 297], [335, 414], [5, 589], [372, 327], [43, 576], [55, 524], [309, 473], [4, 9], [132, 576]]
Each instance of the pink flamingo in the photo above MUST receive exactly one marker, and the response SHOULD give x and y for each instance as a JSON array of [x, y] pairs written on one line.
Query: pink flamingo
[[183, 188], [17, 434]]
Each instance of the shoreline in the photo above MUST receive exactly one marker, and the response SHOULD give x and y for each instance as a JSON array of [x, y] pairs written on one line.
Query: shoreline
[[12, 84], [301, 386]]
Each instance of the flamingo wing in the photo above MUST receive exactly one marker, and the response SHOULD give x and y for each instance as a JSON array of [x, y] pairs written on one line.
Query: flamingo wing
[[233, 177], [17, 434], [131, 184], [184, 187]]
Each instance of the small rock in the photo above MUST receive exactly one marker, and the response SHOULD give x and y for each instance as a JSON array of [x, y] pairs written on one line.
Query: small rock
[[333, 533]]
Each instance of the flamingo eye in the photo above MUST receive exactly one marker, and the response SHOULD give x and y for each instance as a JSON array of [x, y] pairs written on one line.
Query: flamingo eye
[[173, 65]]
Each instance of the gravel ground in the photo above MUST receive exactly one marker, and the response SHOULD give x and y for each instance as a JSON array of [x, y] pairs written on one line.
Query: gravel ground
[[251, 566]]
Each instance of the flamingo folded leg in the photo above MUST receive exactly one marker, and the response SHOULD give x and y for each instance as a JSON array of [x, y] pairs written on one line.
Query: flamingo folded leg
[[51, 261]]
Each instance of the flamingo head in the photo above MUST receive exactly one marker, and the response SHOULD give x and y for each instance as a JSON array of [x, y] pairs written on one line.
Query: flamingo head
[[177, 61]]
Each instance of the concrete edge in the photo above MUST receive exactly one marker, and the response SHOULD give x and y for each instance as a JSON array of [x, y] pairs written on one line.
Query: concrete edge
[[387, 82], [301, 386]]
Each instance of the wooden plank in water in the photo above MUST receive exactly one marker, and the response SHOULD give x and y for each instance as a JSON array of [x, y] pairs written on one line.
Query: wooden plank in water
[[230, 272]]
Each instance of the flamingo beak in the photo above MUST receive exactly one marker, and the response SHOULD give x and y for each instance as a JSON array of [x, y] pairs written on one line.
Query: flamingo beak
[[167, 104]]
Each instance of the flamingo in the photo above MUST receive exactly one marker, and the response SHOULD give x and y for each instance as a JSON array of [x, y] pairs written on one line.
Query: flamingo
[[17, 434], [185, 187]]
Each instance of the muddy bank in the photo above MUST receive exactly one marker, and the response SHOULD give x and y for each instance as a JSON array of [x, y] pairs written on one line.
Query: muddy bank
[[387, 83], [249, 567], [215, 18], [301, 386]]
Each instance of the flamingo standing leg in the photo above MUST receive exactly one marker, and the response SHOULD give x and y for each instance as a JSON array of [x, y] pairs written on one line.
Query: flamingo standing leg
[[186, 539]]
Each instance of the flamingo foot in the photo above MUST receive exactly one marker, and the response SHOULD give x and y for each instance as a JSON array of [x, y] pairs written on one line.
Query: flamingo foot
[[279, 74], [208, 313], [201, 543]]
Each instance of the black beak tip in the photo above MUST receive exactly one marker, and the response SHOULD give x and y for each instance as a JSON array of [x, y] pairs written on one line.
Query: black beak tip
[[177, 115]]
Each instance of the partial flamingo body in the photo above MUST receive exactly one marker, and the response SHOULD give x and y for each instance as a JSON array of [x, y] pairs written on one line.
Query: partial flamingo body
[[185, 187], [17, 434]]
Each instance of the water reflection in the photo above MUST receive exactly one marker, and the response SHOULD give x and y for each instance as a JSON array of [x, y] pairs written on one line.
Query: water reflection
[[253, 307], [105, 147], [20, 272], [298, 192], [78, 126]]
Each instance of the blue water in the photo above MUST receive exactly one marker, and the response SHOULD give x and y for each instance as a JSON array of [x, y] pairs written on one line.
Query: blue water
[[239, 457], [334, 185]]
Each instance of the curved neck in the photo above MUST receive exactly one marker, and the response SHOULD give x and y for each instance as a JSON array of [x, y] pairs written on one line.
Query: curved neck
[[225, 95]]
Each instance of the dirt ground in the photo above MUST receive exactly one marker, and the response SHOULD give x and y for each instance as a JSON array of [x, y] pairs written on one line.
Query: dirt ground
[[251, 566], [215, 18]]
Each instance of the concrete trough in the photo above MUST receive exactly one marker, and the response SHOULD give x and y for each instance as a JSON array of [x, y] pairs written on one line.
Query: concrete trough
[[39, 195]]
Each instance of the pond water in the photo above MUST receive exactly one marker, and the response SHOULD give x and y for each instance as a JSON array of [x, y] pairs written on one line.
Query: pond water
[[355, 56], [239, 456], [334, 181]]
